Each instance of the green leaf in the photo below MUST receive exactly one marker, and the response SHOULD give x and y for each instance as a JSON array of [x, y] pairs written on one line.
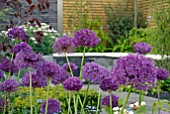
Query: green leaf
[[141, 110], [107, 109], [120, 102], [153, 108]]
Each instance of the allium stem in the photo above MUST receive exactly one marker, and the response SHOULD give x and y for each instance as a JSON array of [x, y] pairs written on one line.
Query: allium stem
[[35, 108], [75, 107], [18, 77], [69, 109], [82, 62], [31, 94], [82, 108], [127, 97], [68, 64], [9, 103], [46, 106], [5, 105], [111, 110], [159, 89], [98, 102], [140, 97]]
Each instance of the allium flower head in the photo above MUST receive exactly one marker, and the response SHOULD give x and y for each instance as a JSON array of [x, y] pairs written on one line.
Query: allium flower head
[[7, 66], [106, 101], [17, 33], [94, 72], [53, 106], [73, 84], [142, 48], [50, 70], [1, 75], [60, 77], [21, 47], [2, 104], [109, 84], [9, 86], [135, 70], [72, 65], [162, 74], [38, 80], [28, 59], [63, 45], [85, 38]]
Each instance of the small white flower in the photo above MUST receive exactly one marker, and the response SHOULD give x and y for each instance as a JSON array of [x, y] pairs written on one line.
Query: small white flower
[[131, 105], [53, 37], [31, 27], [115, 108], [143, 103], [34, 30], [45, 34], [39, 29], [125, 110], [116, 112], [131, 112], [137, 103], [32, 38]]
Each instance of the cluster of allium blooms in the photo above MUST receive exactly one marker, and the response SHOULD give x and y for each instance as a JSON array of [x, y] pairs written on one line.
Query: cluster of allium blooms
[[53, 106], [50, 69], [63, 45], [38, 80], [21, 47], [162, 74], [1, 75], [85, 37], [142, 48], [106, 101], [7, 66], [109, 84], [94, 72], [17, 33], [135, 70], [9, 86], [72, 65], [73, 84], [28, 59], [60, 77], [2, 104]]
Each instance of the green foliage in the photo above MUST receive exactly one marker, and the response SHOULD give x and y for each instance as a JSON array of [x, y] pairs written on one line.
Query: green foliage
[[142, 110], [120, 22], [160, 104], [22, 100]]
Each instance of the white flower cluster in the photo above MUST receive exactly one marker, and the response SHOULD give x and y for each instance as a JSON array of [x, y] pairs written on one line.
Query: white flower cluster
[[117, 110], [45, 28], [136, 105]]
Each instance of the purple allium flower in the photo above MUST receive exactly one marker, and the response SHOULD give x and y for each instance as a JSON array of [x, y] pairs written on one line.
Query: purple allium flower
[[38, 80], [106, 101], [7, 66], [60, 77], [50, 69], [72, 65], [94, 72], [162, 74], [135, 70], [2, 104], [63, 45], [163, 112], [9, 86], [28, 59], [109, 84], [73, 84], [142, 48], [17, 33], [1, 75], [21, 47], [85, 37], [53, 106]]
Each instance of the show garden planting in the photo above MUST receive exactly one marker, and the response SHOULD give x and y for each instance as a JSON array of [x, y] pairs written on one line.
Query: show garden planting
[[31, 85]]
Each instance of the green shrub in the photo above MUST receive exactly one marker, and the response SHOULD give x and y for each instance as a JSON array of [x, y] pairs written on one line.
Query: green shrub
[[22, 100]]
